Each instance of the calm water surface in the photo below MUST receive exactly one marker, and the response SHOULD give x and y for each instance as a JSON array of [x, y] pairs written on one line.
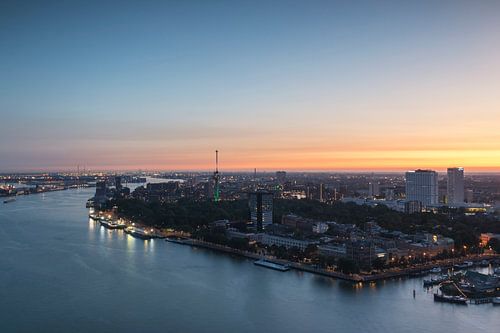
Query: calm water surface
[[60, 272]]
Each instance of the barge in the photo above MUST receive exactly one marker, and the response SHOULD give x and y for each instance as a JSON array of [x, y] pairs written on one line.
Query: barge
[[450, 299], [272, 265]]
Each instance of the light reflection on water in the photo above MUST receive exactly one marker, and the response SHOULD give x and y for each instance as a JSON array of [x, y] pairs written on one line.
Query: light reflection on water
[[64, 272]]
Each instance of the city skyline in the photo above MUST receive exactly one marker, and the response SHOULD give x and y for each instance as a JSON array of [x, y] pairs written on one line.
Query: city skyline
[[332, 87]]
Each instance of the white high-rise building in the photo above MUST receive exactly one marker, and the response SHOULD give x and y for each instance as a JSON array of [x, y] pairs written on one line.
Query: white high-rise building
[[373, 189], [455, 188], [422, 186]]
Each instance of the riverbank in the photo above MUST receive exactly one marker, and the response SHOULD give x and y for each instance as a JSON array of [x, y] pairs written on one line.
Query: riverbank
[[39, 190], [355, 278]]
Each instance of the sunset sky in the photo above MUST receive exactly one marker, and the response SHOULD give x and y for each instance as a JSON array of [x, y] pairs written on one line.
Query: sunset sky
[[293, 85]]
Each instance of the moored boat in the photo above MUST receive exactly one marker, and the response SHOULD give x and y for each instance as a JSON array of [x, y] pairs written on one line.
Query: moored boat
[[112, 225], [496, 301], [484, 263], [272, 265], [436, 280], [464, 265], [450, 299], [139, 233]]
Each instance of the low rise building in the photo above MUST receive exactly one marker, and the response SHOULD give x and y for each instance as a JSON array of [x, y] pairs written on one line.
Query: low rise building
[[287, 242], [330, 250], [486, 237], [319, 227]]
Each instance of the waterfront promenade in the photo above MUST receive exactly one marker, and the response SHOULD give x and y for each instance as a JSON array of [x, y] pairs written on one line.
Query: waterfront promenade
[[355, 278]]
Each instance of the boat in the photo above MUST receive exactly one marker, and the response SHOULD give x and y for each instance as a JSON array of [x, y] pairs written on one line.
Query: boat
[[496, 271], [436, 280], [139, 233], [450, 299], [419, 273], [9, 200], [436, 270], [272, 265], [484, 263], [496, 301], [110, 224], [464, 265]]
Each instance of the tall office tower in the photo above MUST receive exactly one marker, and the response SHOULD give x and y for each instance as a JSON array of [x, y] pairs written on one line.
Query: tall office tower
[[373, 189], [100, 189], [260, 204], [118, 183], [455, 189], [321, 192], [422, 186], [281, 176]]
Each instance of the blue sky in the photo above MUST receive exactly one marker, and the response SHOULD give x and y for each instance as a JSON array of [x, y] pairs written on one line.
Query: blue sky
[[292, 84]]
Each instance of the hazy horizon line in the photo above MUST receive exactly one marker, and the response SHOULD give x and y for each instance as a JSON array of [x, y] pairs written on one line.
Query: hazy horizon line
[[477, 170]]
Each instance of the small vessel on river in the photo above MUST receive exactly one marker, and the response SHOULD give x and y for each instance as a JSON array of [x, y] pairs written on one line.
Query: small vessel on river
[[139, 233], [272, 265], [9, 200], [110, 224], [464, 265], [437, 280], [450, 299]]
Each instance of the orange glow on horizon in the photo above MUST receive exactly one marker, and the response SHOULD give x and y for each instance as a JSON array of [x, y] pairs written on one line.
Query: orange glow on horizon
[[385, 160]]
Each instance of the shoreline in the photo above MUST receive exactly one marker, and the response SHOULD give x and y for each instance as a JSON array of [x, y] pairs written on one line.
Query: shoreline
[[355, 278]]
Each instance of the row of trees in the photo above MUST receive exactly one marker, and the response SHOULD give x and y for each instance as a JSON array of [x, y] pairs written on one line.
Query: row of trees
[[464, 229], [186, 215], [189, 215]]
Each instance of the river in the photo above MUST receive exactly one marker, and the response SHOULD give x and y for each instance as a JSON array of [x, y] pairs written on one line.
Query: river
[[61, 272]]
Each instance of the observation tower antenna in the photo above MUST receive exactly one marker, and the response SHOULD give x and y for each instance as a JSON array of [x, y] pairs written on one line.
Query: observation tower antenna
[[216, 178]]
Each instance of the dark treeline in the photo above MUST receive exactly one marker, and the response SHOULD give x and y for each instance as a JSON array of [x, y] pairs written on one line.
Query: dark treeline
[[184, 214], [465, 230], [188, 215]]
